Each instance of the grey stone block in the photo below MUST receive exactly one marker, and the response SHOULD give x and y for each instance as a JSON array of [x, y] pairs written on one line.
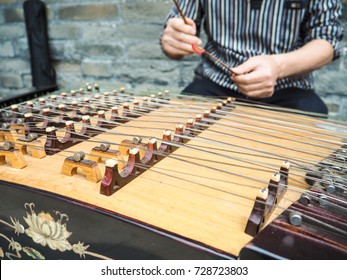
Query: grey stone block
[[67, 68], [97, 32], [88, 12], [343, 109], [14, 15], [96, 69], [6, 49], [27, 80], [21, 48], [7, 1], [11, 81], [148, 11], [146, 72], [145, 50], [140, 31], [12, 31], [101, 50], [14, 65], [64, 31]]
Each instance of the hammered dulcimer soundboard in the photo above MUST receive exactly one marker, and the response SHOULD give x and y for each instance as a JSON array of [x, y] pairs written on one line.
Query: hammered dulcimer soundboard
[[200, 195]]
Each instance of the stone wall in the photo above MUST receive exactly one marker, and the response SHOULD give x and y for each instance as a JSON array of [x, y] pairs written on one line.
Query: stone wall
[[117, 42]]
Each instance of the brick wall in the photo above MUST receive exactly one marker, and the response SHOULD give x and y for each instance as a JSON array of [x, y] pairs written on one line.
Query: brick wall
[[117, 42]]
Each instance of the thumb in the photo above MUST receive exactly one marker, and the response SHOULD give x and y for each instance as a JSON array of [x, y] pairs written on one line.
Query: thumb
[[244, 68]]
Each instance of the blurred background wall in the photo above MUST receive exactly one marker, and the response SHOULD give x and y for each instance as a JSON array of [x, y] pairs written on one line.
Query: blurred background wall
[[117, 42]]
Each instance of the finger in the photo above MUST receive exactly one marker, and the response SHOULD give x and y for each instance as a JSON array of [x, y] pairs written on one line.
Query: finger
[[251, 87], [259, 93], [187, 39], [177, 48], [245, 67], [181, 32], [265, 86], [178, 24], [248, 79], [181, 41]]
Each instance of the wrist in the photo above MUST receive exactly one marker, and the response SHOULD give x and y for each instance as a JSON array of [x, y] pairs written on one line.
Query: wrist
[[280, 65]]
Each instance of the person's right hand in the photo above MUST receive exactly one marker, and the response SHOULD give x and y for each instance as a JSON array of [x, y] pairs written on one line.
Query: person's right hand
[[178, 37]]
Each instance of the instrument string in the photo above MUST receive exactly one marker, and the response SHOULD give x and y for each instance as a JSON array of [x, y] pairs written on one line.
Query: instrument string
[[118, 123], [205, 100], [306, 168], [151, 168], [165, 116], [200, 147], [209, 161], [265, 106], [294, 126], [179, 104], [276, 207], [106, 131]]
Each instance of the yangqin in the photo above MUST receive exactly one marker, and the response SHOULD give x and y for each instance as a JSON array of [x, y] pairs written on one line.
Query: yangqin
[[95, 173]]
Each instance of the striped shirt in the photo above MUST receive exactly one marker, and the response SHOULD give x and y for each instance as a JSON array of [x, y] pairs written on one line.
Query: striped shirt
[[239, 29]]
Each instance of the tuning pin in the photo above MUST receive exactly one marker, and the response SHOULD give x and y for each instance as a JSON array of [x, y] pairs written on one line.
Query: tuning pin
[[323, 200], [79, 156], [5, 126], [32, 136], [8, 145], [295, 218], [330, 188], [305, 199], [104, 147]]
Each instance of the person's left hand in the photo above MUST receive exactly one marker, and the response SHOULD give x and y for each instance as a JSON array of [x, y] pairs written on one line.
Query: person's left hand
[[257, 76]]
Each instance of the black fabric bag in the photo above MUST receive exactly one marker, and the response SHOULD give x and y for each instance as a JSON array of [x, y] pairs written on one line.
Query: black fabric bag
[[43, 74]]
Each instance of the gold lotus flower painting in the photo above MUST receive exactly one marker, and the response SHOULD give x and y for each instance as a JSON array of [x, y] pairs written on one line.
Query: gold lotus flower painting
[[46, 231]]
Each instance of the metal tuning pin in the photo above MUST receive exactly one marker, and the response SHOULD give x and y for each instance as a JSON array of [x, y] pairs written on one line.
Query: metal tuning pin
[[13, 155], [6, 133], [8, 146], [32, 145], [79, 156], [329, 176], [295, 218], [103, 153]]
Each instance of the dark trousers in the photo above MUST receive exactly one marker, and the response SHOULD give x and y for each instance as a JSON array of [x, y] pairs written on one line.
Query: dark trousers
[[295, 98]]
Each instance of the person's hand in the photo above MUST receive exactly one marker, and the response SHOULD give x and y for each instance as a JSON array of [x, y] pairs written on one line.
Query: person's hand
[[257, 76], [178, 37]]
